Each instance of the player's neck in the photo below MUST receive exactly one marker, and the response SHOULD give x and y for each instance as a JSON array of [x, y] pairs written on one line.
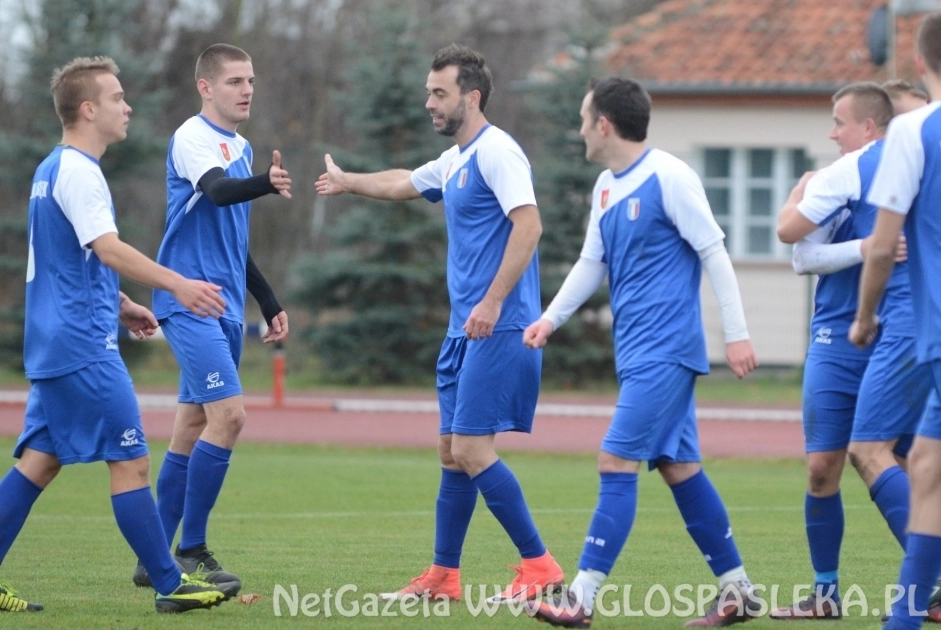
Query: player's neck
[[933, 83], [212, 116], [469, 130], [624, 154], [84, 141]]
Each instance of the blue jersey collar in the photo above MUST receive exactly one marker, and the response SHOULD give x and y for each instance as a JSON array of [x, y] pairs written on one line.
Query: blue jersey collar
[[479, 133], [632, 166], [224, 132]]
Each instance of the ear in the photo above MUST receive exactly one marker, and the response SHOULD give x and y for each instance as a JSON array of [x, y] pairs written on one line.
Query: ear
[[920, 64], [87, 110], [204, 88], [474, 99]]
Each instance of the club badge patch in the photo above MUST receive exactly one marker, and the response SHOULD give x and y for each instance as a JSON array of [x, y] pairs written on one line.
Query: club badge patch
[[633, 208], [225, 151]]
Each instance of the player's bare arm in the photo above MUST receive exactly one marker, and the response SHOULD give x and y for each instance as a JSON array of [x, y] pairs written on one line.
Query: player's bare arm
[[792, 225], [877, 270], [202, 298], [392, 185], [524, 237], [136, 318]]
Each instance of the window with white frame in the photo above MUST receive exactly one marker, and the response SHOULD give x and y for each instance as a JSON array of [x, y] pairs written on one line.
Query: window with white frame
[[746, 187]]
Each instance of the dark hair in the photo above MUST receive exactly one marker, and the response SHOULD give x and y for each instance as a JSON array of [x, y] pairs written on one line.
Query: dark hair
[[928, 37], [210, 61], [625, 103], [900, 87], [870, 100], [472, 72], [75, 83]]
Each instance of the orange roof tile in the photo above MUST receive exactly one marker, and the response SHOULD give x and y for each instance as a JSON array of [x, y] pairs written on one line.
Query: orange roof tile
[[755, 46]]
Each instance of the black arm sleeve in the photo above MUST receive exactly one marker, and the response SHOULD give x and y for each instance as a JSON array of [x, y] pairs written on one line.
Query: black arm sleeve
[[225, 191], [261, 290]]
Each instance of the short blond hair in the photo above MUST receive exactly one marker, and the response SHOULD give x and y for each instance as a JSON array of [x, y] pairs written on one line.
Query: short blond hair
[[210, 61], [74, 83]]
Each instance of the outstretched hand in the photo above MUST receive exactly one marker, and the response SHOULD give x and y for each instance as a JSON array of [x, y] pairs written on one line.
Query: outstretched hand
[[330, 183], [278, 176]]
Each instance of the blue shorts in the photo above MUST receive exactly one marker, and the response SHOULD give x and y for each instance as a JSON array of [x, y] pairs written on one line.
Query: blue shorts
[[208, 351], [831, 387], [930, 425], [655, 418], [893, 393], [488, 386], [89, 415]]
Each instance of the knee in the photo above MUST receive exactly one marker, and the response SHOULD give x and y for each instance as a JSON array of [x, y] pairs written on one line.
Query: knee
[[860, 457], [444, 453], [233, 420], [823, 475], [924, 469], [608, 463]]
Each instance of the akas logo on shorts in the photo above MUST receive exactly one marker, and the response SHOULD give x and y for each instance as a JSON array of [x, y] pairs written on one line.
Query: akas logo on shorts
[[225, 151], [823, 336], [111, 343], [633, 208], [129, 438], [213, 381]]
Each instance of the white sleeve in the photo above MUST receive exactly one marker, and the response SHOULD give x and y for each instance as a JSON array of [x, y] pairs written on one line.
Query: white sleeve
[[506, 171], [685, 203], [716, 262], [830, 189], [83, 195], [593, 249], [898, 176], [194, 154], [581, 283], [816, 253], [428, 179]]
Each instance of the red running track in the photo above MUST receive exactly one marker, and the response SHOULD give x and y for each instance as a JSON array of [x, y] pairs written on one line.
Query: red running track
[[313, 425]]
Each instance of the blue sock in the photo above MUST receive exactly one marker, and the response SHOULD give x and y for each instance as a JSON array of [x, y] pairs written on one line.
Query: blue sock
[[206, 472], [457, 498], [504, 497], [17, 495], [919, 571], [136, 514], [891, 494], [707, 522], [611, 524], [824, 518], [171, 492]]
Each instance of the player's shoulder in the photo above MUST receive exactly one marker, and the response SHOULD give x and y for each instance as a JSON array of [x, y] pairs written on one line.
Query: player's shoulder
[[75, 162], [669, 168], [495, 142], [911, 123]]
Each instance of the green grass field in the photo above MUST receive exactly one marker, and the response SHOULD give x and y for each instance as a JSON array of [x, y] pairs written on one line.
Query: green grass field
[[320, 518]]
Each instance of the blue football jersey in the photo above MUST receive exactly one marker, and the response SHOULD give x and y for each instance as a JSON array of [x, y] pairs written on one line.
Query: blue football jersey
[[647, 224], [201, 240], [845, 184], [71, 297], [480, 184], [908, 181]]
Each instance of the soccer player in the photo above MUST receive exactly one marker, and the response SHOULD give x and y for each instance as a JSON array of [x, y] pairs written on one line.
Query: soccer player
[[834, 368], [907, 190], [487, 381], [81, 405], [894, 388], [210, 187], [650, 232]]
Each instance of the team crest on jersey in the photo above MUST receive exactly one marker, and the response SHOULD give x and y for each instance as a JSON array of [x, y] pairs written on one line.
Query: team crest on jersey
[[225, 151], [633, 208], [604, 198], [462, 178]]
